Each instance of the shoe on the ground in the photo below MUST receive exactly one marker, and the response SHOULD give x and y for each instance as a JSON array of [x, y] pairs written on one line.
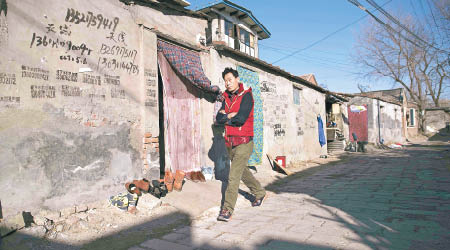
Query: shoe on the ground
[[224, 215], [258, 202]]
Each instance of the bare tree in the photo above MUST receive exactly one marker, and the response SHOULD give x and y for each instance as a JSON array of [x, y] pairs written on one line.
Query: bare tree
[[363, 87], [422, 69]]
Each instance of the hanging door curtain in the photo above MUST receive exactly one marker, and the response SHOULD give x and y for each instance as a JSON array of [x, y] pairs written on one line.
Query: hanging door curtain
[[183, 78], [188, 64], [181, 120], [251, 79], [358, 122]]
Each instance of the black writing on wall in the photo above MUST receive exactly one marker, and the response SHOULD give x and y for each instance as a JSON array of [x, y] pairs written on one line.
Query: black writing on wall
[[7, 78], [114, 64], [75, 59], [117, 38], [117, 56], [44, 41], [97, 96], [91, 79], [278, 130], [120, 51], [300, 131], [66, 76], [150, 73], [63, 30], [151, 93], [150, 76], [42, 91], [268, 87], [150, 82], [117, 93], [9, 101], [113, 80], [91, 20], [35, 73], [151, 103], [70, 90]]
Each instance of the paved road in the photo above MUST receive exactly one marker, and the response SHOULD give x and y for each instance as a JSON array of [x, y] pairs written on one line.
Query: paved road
[[391, 200]]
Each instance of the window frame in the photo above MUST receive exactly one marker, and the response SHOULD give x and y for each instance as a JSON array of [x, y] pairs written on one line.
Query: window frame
[[412, 118], [296, 90]]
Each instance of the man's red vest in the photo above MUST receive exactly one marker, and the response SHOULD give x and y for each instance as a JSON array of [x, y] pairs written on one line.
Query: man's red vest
[[233, 105]]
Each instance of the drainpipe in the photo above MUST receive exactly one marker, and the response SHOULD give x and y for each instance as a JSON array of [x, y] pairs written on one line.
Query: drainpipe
[[379, 123]]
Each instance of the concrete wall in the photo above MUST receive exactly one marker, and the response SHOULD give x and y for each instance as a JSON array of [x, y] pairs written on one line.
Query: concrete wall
[[289, 129], [69, 136], [391, 120], [344, 120], [169, 21], [79, 101]]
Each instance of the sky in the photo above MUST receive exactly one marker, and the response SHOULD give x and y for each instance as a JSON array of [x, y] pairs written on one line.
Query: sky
[[296, 24]]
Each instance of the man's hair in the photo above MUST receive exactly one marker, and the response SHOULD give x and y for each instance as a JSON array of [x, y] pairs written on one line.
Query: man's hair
[[230, 70]]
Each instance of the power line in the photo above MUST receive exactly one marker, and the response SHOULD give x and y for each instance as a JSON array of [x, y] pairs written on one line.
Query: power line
[[388, 27], [326, 59], [292, 48], [324, 38], [394, 20], [318, 62], [385, 25]]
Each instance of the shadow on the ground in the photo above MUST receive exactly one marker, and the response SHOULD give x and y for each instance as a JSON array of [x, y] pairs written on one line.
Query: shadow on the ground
[[398, 199], [394, 200], [147, 235], [442, 135]]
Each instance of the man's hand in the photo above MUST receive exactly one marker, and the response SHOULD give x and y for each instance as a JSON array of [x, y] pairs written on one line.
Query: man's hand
[[222, 111], [231, 115]]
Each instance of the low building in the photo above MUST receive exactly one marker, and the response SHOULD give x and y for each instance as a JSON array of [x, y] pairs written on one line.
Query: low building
[[94, 95], [375, 119]]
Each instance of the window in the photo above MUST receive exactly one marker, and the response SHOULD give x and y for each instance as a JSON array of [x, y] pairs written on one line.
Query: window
[[410, 118], [296, 95], [229, 33], [229, 28], [247, 42]]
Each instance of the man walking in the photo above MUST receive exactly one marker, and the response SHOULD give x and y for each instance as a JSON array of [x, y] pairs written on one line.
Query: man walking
[[236, 114]]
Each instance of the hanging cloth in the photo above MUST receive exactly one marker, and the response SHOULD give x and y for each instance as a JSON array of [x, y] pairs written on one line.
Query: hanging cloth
[[188, 64], [182, 120], [322, 140]]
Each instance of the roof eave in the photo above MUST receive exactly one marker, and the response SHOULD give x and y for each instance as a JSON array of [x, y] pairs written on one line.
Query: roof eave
[[265, 33], [262, 63]]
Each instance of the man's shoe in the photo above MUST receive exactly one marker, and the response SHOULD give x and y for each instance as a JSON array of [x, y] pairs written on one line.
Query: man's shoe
[[224, 215], [258, 202]]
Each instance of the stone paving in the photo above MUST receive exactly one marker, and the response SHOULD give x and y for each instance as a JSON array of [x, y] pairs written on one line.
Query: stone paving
[[398, 199]]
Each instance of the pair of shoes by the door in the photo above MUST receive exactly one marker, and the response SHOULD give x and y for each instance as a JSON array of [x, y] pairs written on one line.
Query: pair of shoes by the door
[[174, 183], [196, 176]]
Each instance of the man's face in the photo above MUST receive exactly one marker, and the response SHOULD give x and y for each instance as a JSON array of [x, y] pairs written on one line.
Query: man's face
[[231, 82]]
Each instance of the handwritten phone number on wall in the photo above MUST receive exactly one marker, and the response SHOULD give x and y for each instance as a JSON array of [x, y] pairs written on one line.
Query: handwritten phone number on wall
[[91, 20], [73, 59], [113, 64]]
